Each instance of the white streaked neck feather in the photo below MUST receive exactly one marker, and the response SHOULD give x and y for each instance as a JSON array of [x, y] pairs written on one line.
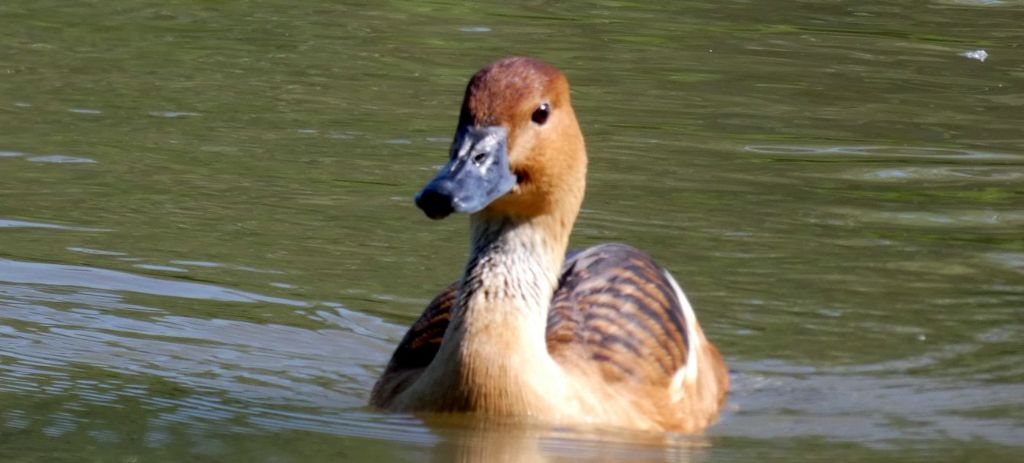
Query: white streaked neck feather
[[495, 349], [513, 263]]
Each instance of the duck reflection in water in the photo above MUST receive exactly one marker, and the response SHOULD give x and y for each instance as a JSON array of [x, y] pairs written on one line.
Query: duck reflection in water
[[491, 439]]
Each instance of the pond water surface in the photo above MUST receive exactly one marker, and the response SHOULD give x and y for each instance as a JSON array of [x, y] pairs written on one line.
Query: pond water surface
[[208, 246]]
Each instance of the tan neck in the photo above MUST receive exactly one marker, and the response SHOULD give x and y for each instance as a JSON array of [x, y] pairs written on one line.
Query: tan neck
[[515, 261], [494, 357], [494, 354]]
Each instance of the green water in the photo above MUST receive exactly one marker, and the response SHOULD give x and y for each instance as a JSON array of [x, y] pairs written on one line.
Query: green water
[[208, 246]]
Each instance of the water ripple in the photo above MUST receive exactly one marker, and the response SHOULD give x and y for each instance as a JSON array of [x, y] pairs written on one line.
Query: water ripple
[[61, 159], [882, 152], [10, 223], [13, 271]]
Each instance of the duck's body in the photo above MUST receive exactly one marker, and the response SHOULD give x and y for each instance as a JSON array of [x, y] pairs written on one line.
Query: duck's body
[[603, 337]]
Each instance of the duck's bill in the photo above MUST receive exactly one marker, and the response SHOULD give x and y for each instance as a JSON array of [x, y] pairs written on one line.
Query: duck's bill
[[476, 174]]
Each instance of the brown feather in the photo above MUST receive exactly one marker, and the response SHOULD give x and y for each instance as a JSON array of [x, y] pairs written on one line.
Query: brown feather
[[614, 307], [417, 348]]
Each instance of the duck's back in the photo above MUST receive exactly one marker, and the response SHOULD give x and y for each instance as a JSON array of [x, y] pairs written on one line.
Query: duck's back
[[617, 318], [615, 309]]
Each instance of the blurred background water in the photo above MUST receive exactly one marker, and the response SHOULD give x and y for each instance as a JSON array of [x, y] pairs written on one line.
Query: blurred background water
[[208, 246]]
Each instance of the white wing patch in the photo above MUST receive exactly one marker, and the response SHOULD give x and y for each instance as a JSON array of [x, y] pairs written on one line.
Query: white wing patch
[[688, 374]]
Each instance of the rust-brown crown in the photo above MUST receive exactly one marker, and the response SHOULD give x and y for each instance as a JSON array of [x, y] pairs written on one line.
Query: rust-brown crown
[[548, 157], [505, 89]]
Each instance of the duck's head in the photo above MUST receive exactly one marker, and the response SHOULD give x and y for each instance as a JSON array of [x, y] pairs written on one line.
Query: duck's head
[[518, 151]]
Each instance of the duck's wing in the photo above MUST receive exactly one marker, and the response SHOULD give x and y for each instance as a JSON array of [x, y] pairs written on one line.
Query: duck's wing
[[417, 348], [617, 311]]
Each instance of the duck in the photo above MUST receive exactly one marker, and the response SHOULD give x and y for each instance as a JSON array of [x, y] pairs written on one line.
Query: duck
[[598, 337]]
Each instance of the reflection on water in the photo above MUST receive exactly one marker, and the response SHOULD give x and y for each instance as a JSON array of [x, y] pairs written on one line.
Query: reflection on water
[[108, 280], [208, 248], [494, 440], [9, 223], [884, 152]]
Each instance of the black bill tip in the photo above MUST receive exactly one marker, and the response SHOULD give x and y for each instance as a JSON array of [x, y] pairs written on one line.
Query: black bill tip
[[435, 204]]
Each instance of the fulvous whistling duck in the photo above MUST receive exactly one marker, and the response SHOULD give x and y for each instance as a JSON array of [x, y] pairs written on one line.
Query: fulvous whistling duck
[[601, 337]]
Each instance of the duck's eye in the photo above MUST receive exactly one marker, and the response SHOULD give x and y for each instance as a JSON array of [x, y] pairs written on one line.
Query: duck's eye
[[540, 115]]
